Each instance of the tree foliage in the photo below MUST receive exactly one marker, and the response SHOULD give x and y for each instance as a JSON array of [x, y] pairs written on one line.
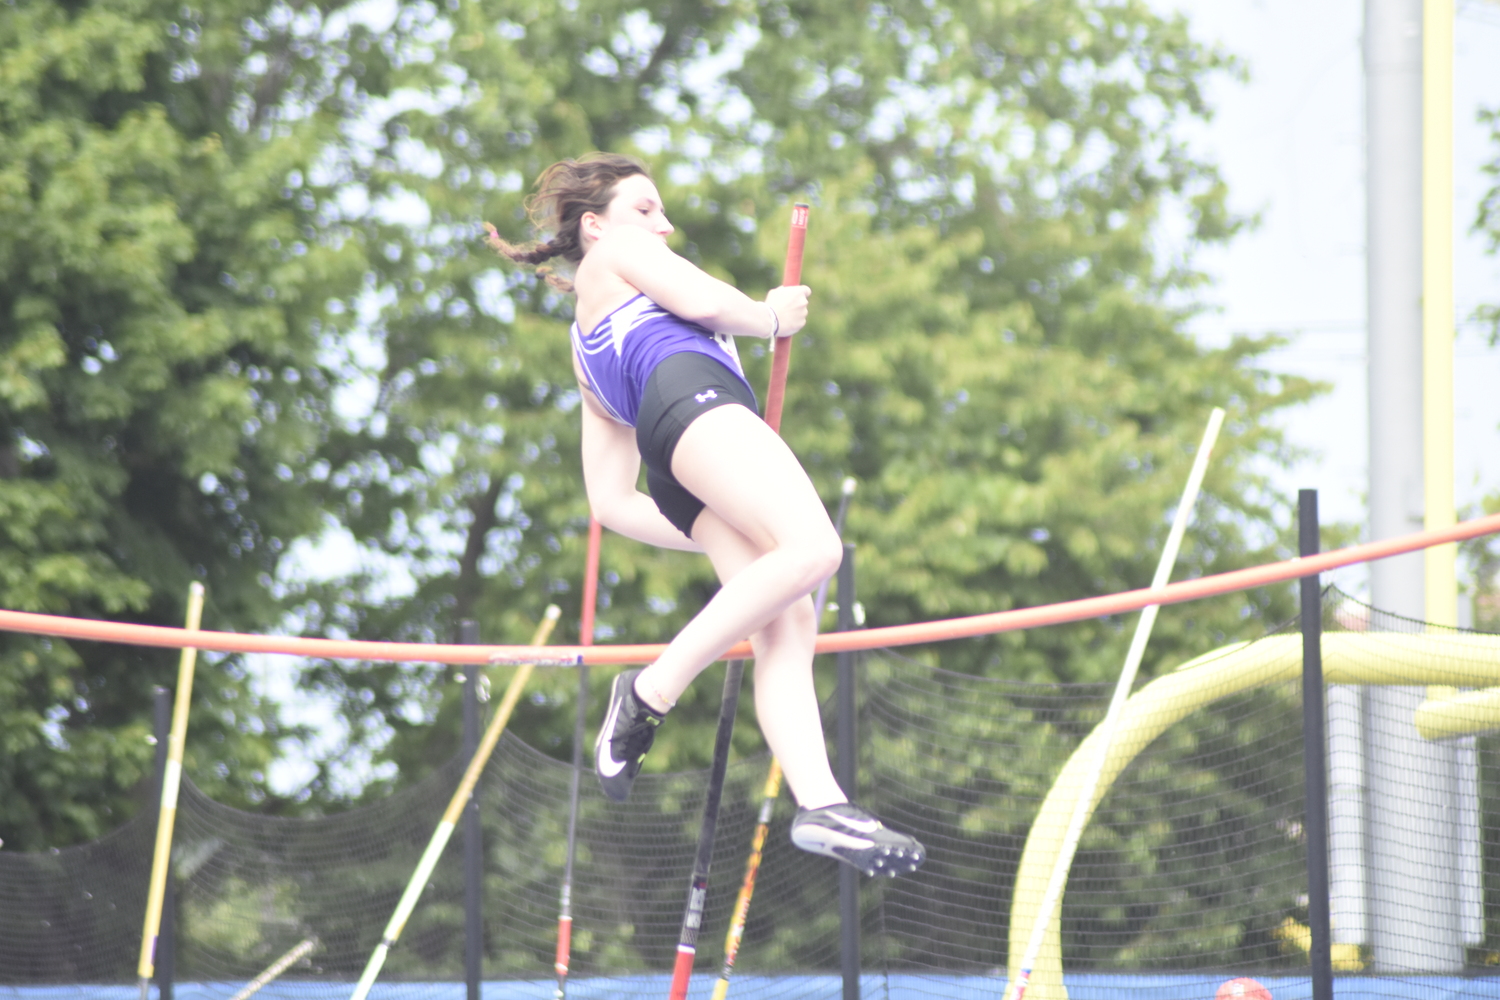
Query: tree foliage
[[247, 302], [170, 281], [997, 352]]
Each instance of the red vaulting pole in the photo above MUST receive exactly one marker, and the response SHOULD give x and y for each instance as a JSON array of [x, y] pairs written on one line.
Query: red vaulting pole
[[585, 638]]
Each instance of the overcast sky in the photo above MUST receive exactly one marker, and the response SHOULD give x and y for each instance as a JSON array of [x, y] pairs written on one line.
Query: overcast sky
[[1291, 145]]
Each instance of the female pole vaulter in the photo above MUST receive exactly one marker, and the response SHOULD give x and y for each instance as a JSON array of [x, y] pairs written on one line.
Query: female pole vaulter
[[654, 354]]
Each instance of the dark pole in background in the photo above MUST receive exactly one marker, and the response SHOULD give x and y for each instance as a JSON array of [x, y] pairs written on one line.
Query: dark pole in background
[[468, 634], [692, 914], [848, 775], [1314, 751], [166, 941]]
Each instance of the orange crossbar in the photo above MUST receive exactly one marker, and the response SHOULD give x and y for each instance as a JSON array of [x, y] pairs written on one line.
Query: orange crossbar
[[875, 638]]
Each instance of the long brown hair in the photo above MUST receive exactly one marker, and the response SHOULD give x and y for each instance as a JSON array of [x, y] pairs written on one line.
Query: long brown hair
[[564, 192]]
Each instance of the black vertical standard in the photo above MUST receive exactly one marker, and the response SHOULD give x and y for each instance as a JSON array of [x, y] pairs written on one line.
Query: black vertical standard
[[1314, 752], [468, 634], [848, 775], [164, 970], [692, 913]]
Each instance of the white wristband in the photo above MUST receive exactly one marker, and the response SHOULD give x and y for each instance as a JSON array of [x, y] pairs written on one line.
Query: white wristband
[[775, 320]]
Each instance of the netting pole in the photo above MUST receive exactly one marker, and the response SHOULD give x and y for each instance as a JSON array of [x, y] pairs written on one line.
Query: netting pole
[[846, 493], [440, 836], [564, 956], [1314, 751], [692, 916], [166, 942], [171, 781], [468, 634], [1052, 895], [848, 775]]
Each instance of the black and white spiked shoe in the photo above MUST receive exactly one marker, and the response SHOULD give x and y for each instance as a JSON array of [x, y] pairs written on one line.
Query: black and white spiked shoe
[[628, 730], [852, 835]]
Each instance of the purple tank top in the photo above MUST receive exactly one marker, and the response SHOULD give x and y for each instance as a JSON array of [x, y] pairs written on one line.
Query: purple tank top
[[619, 354]]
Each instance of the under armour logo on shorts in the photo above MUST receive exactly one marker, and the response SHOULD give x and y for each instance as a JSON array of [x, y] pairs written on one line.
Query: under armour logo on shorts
[[706, 395]]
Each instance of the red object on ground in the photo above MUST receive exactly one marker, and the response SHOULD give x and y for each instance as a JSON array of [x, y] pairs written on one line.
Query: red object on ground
[[1243, 988]]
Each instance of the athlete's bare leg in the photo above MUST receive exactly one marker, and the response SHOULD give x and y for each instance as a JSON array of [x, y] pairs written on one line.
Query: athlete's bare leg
[[785, 701], [771, 542]]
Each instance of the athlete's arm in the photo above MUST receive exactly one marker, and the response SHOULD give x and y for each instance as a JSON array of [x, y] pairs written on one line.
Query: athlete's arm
[[611, 468], [684, 289]]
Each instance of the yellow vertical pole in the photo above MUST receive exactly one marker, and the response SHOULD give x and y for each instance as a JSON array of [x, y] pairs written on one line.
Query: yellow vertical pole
[[172, 780], [429, 859], [1441, 574]]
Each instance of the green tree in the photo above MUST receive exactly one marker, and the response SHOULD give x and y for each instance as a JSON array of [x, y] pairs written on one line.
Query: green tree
[[246, 299], [176, 284], [998, 352]]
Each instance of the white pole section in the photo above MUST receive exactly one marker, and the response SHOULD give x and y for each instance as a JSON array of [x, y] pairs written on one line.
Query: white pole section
[[451, 815], [276, 968], [1085, 804]]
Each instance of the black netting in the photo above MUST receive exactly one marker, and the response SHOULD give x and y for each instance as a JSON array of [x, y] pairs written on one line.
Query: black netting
[[1193, 860], [74, 915], [1191, 872]]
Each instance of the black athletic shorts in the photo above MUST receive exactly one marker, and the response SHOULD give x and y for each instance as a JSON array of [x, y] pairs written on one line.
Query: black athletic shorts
[[681, 388]]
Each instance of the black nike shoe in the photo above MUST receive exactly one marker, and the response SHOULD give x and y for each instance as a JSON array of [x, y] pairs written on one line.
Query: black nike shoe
[[627, 733], [852, 835]]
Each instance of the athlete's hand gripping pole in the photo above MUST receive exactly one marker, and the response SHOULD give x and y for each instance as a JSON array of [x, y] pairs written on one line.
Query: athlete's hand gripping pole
[[692, 917], [781, 347], [445, 827]]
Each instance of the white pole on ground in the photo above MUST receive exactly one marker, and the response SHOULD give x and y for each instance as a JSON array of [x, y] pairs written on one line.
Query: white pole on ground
[[444, 831], [1085, 803], [276, 968]]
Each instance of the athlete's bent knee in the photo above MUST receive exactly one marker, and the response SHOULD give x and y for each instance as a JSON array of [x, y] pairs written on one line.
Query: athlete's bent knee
[[793, 628], [831, 554], [817, 559]]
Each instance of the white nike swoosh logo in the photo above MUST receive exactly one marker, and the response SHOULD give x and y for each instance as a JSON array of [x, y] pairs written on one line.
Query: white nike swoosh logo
[[608, 766], [862, 825]]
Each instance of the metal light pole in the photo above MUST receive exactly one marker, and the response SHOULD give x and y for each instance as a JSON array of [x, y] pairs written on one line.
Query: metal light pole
[[1395, 794]]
